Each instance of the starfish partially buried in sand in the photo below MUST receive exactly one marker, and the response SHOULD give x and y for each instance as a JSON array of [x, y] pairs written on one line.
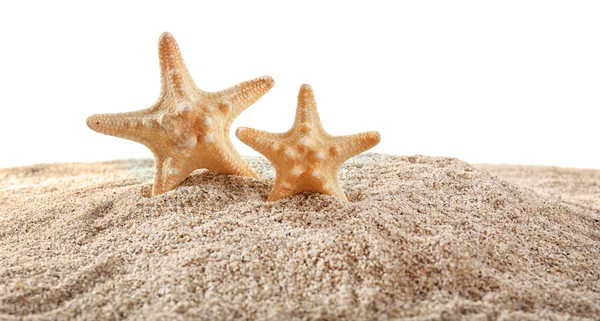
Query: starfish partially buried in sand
[[187, 128], [306, 157]]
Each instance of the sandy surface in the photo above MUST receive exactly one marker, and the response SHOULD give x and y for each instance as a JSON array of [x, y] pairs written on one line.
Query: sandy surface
[[422, 239], [571, 185]]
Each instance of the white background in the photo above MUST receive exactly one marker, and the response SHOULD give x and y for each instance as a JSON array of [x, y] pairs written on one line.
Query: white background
[[484, 81]]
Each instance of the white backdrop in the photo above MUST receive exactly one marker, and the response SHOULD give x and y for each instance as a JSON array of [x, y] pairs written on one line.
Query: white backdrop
[[484, 81]]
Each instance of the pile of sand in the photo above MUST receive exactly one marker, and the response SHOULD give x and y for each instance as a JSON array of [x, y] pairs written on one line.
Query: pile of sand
[[572, 185], [423, 238]]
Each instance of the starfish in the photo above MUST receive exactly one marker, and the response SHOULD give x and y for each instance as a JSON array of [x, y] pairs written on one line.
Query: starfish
[[187, 128], [306, 158]]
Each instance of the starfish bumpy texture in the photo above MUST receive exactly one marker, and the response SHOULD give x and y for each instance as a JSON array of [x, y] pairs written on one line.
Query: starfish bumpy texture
[[306, 158], [187, 128]]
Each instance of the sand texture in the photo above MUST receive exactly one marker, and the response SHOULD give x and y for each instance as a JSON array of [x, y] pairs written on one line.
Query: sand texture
[[571, 185], [422, 238]]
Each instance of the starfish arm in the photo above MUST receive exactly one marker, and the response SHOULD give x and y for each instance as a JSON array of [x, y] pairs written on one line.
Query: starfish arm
[[138, 126], [306, 112], [234, 100], [281, 189], [229, 161], [236, 165], [334, 189], [169, 173], [268, 144], [174, 76], [345, 147]]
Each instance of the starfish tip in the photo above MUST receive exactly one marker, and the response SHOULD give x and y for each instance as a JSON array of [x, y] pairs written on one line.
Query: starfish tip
[[166, 36], [93, 122], [239, 131], [266, 82], [375, 137], [306, 87], [306, 92]]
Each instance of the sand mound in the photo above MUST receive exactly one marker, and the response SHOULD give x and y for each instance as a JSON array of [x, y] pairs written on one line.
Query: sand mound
[[580, 186], [422, 238]]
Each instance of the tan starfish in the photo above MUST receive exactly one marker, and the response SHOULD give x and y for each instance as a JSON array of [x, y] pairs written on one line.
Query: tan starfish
[[187, 128], [306, 158]]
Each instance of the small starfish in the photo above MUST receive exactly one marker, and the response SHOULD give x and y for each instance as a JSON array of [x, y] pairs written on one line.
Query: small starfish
[[306, 158], [187, 128]]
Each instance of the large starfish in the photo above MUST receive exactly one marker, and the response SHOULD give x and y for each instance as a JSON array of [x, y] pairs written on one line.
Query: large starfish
[[306, 158], [187, 128]]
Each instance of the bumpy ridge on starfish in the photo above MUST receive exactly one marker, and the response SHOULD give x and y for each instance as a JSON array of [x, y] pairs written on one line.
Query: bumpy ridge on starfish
[[174, 74], [186, 128], [306, 157]]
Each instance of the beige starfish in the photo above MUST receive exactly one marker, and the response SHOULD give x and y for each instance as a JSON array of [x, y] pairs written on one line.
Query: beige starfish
[[187, 128], [306, 158]]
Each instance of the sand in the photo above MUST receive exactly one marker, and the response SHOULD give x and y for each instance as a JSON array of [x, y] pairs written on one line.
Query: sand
[[422, 238], [571, 185]]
